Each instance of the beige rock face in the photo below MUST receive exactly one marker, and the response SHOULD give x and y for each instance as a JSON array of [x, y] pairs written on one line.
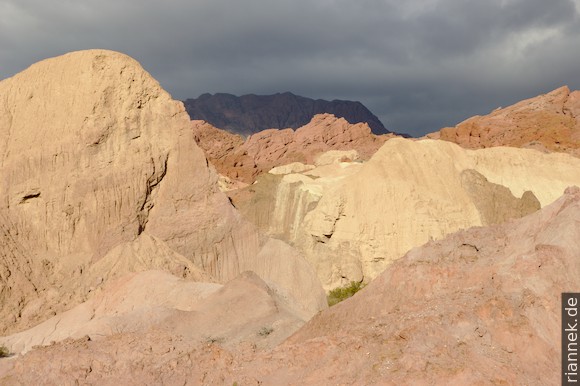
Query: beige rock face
[[272, 148], [548, 122], [95, 156], [480, 306], [352, 221]]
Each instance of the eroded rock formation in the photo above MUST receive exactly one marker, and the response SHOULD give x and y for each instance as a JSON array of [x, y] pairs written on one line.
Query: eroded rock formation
[[480, 306], [546, 122], [352, 220], [270, 148], [101, 176]]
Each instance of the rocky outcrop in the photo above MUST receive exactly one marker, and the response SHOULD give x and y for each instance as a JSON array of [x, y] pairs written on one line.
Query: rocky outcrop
[[249, 114], [457, 311], [147, 300], [101, 176], [271, 148], [352, 220], [480, 306], [547, 122]]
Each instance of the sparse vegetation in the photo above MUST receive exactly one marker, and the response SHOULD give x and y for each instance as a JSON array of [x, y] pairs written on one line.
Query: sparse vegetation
[[265, 331], [4, 352], [338, 294], [214, 339]]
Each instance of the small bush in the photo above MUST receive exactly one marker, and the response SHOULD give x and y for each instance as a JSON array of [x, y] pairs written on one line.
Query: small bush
[[4, 352], [338, 294], [214, 339], [265, 331]]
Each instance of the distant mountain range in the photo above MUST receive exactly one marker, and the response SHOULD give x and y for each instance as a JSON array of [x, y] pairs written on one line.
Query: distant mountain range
[[251, 113]]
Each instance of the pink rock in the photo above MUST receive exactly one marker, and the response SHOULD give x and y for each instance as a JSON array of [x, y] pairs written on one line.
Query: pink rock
[[270, 148], [546, 122], [480, 306]]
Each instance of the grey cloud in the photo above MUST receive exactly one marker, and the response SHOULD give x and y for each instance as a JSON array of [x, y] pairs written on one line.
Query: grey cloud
[[419, 65]]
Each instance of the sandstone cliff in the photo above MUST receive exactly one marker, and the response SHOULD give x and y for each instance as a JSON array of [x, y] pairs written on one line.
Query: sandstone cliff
[[249, 114], [94, 156], [352, 220], [546, 122], [244, 160]]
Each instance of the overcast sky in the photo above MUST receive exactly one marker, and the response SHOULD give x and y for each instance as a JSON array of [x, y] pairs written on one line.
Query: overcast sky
[[419, 65]]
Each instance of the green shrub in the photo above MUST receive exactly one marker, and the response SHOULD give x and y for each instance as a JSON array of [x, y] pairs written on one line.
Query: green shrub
[[265, 331], [214, 339], [4, 352], [338, 294]]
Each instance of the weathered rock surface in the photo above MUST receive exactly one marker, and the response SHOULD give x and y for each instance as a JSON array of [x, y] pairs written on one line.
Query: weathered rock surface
[[100, 172], [352, 220], [139, 302], [546, 122], [249, 114], [271, 148], [133, 303], [481, 306], [494, 202]]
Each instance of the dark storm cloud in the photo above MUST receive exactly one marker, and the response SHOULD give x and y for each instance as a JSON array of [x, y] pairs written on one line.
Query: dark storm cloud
[[419, 65]]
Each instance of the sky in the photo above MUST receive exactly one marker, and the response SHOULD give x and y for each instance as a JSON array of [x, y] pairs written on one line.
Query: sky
[[418, 65]]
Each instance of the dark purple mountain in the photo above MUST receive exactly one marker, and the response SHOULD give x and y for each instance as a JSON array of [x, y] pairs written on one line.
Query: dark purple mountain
[[251, 113]]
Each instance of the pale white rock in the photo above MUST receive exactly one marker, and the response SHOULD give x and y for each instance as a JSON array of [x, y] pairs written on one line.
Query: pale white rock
[[294, 167], [354, 221], [336, 156]]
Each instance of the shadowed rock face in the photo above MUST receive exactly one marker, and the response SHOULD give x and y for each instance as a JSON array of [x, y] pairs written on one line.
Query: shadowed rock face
[[250, 114], [495, 203], [480, 306], [546, 122], [245, 160], [100, 175]]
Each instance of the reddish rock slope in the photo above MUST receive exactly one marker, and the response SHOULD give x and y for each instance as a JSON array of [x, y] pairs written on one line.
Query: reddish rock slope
[[550, 121], [262, 151], [481, 306]]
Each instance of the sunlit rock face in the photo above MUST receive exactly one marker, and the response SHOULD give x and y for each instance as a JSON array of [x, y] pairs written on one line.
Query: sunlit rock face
[[549, 122], [96, 155], [244, 160], [352, 220]]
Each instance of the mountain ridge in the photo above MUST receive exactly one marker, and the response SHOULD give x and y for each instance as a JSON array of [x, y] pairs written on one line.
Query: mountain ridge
[[251, 113]]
